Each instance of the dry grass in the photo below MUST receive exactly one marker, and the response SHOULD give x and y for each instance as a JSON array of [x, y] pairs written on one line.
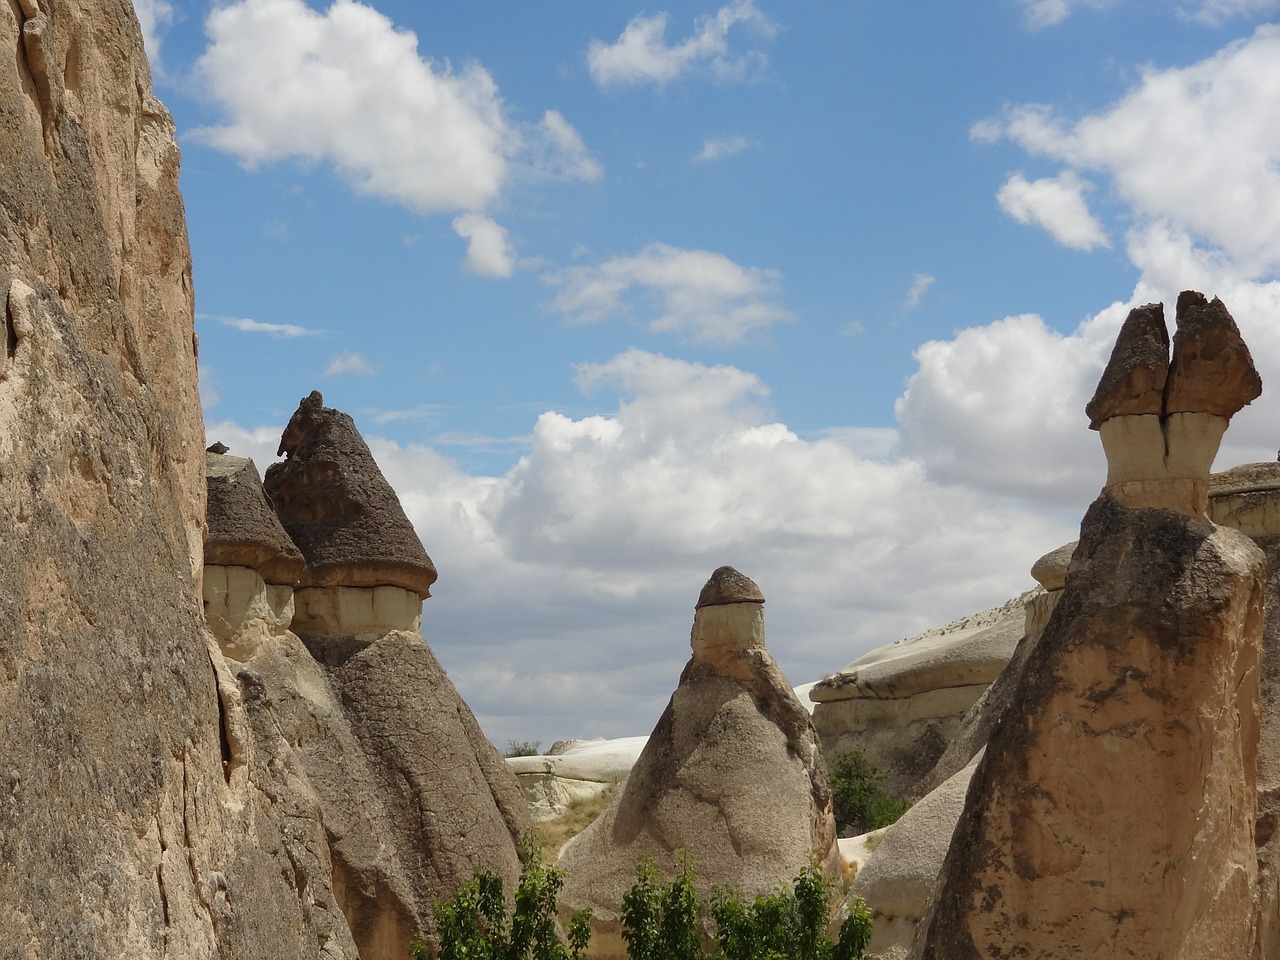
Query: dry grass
[[554, 834]]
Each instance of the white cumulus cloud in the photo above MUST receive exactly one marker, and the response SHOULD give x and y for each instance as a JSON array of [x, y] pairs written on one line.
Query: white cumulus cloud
[[345, 85], [643, 55], [1057, 204], [920, 285], [560, 152], [488, 247], [696, 294], [1192, 149]]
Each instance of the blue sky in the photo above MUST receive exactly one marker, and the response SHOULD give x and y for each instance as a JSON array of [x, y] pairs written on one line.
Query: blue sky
[[618, 294]]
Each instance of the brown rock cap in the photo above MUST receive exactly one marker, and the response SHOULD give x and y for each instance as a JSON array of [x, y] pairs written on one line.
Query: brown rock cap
[[242, 529], [727, 585], [339, 509], [1134, 379], [1212, 370]]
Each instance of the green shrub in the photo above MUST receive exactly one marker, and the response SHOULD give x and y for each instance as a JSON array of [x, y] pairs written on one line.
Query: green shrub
[[663, 922], [790, 923], [861, 801], [475, 925], [522, 748]]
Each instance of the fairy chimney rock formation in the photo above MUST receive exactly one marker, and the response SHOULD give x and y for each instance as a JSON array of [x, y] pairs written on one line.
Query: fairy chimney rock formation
[[1113, 813], [732, 773], [250, 564], [366, 570], [1162, 420]]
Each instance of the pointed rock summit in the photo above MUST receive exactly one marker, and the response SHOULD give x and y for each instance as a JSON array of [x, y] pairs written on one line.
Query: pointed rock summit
[[339, 509], [242, 529], [1161, 419], [732, 773]]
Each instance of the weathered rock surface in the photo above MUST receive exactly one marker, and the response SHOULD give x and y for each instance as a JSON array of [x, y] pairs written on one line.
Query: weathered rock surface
[[582, 770], [136, 821], [1160, 457], [901, 875], [241, 526], [340, 510], [350, 703], [1142, 691], [732, 774], [903, 703]]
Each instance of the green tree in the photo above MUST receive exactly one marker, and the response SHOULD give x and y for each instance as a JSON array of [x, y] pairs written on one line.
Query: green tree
[[663, 922], [475, 925], [861, 800], [790, 923]]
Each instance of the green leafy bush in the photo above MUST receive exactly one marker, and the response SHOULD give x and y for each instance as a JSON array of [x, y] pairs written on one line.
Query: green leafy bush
[[861, 801], [475, 925], [659, 921]]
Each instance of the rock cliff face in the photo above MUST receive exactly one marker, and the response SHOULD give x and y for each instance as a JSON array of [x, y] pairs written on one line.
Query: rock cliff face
[[131, 825], [343, 693], [732, 773], [1113, 813]]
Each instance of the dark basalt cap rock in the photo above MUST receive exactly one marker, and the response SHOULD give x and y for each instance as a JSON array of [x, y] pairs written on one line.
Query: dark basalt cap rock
[[242, 528], [1212, 369], [727, 585], [339, 509], [1134, 379]]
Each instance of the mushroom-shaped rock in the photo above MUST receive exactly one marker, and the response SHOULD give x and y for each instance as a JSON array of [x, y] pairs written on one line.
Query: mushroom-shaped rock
[[1159, 454], [732, 774], [1133, 381], [1212, 370], [242, 528], [339, 509]]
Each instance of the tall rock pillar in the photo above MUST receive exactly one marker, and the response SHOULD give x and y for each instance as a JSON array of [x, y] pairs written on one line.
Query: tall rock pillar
[[1113, 812]]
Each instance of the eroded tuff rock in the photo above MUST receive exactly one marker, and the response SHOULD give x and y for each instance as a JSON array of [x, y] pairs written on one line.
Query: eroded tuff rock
[[340, 510], [903, 703], [134, 821], [1113, 812], [357, 720], [241, 526], [1160, 432], [732, 774]]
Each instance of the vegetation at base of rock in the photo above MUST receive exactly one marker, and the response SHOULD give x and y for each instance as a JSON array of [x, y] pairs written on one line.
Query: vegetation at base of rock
[[580, 814], [861, 801], [666, 922], [475, 925], [659, 921], [522, 748]]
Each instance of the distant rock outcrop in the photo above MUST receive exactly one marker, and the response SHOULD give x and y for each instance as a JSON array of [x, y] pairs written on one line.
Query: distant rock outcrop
[[903, 703], [575, 771], [1113, 812], [351, 710], [732, 773]]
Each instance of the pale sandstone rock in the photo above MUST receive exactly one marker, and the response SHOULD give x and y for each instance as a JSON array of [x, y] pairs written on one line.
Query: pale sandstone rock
[[900, 876], [579, 771], [732, 774], [1050, 570], [135, 821], [1247, 498], [903, 703], [1159, 622], [243, 610], [363, 612]]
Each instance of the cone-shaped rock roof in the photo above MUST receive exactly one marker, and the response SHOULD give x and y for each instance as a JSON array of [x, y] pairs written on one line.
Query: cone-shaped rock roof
[[242, 529], [339, 509]]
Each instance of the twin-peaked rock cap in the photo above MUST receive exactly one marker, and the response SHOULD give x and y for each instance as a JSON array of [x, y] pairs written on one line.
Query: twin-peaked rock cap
[[339, 509], [241, 528]]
